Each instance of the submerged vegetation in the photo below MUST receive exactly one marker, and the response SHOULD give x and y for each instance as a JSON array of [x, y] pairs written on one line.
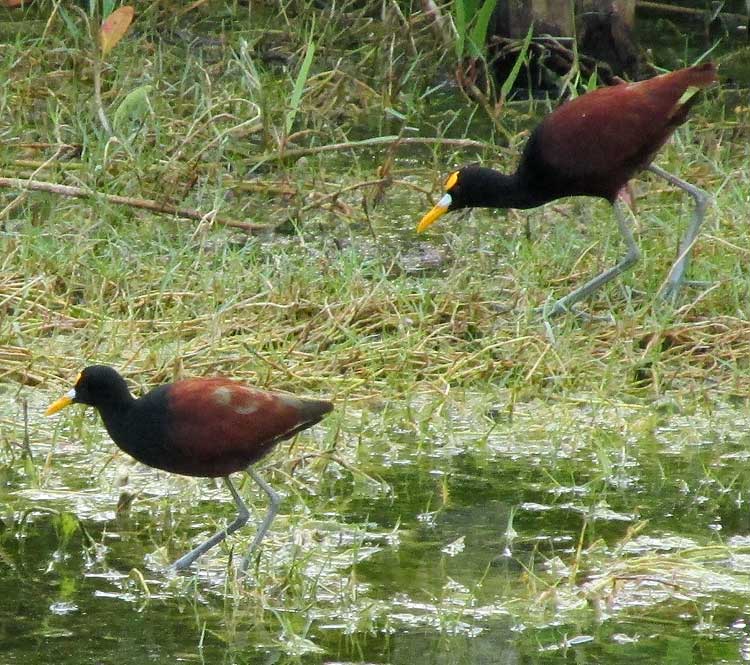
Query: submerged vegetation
[[488, 486]]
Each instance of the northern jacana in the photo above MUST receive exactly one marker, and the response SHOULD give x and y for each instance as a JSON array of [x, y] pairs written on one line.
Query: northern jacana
[[198, 427], [592, 146]]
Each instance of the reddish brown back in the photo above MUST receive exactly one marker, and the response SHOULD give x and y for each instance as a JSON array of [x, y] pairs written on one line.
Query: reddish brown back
[[608, 134], [217, 426]]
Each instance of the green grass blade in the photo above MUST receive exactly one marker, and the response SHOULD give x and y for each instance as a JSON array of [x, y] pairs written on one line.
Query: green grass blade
[[299, 85], [478, 34], [520, 59], [460, 20]]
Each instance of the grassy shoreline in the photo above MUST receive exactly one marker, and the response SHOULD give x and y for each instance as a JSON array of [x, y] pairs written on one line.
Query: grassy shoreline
[[349, 301], [477, 475]]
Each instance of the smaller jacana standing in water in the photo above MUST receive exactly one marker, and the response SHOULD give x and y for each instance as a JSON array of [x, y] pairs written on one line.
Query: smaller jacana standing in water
[[198, 427], [592, 146]]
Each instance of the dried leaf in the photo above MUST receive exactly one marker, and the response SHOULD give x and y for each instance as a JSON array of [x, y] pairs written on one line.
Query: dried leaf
[[114, 27]]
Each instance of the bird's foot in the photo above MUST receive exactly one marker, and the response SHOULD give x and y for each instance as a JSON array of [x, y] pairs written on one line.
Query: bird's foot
[[500, 307], [183, 563], [548, 312], [669, 292], [558, 308]]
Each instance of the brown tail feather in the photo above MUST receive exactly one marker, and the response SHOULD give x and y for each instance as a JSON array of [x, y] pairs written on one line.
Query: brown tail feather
[[701, 76], [314, 409]]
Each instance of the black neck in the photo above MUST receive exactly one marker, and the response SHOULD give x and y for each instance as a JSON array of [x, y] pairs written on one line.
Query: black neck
[[116, 417], [499, 190], [139, 427]]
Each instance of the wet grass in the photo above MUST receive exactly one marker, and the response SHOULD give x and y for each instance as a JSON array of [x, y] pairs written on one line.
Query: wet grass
[[481, 489]]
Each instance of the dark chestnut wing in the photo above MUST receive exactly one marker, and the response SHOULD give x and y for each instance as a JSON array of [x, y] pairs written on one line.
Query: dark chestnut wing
[[218, 426], [603, 137]]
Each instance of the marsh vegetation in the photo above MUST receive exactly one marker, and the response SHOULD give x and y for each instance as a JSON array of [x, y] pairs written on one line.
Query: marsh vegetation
[[484, 491]]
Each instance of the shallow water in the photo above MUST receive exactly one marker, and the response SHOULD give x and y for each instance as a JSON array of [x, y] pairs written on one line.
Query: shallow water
[[464, 528], [451, 531]]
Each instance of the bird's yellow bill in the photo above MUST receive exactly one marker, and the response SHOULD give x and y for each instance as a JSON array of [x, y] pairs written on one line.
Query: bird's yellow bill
[[436, 213], [431, 217], [59, 404]]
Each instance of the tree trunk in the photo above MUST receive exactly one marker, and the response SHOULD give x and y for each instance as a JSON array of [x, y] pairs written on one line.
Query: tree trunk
[[604, 29], [624, 8], [605, 32], [551, 17]]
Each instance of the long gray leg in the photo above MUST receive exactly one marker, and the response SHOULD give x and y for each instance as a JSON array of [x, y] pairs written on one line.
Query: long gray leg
[[702, 200], [273, 509], [633, 254], [243, 515]]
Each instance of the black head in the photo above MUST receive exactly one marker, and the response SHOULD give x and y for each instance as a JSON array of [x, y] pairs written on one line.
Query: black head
[[470, 187], [97, 385]]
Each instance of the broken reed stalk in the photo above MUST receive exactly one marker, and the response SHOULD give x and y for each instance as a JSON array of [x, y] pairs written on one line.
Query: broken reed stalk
[[370, 143], [145, 204]]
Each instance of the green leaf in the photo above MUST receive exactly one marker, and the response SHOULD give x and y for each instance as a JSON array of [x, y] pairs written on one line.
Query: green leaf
[[70, 23], [478, 34], [592, 83], [520, 58], [460, 21], [299, 85], [65, 525], [135, 105], [470, 8]]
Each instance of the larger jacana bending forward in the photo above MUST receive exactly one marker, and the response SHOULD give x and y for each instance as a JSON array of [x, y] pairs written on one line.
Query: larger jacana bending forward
[[592, 146], [198, 427]]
